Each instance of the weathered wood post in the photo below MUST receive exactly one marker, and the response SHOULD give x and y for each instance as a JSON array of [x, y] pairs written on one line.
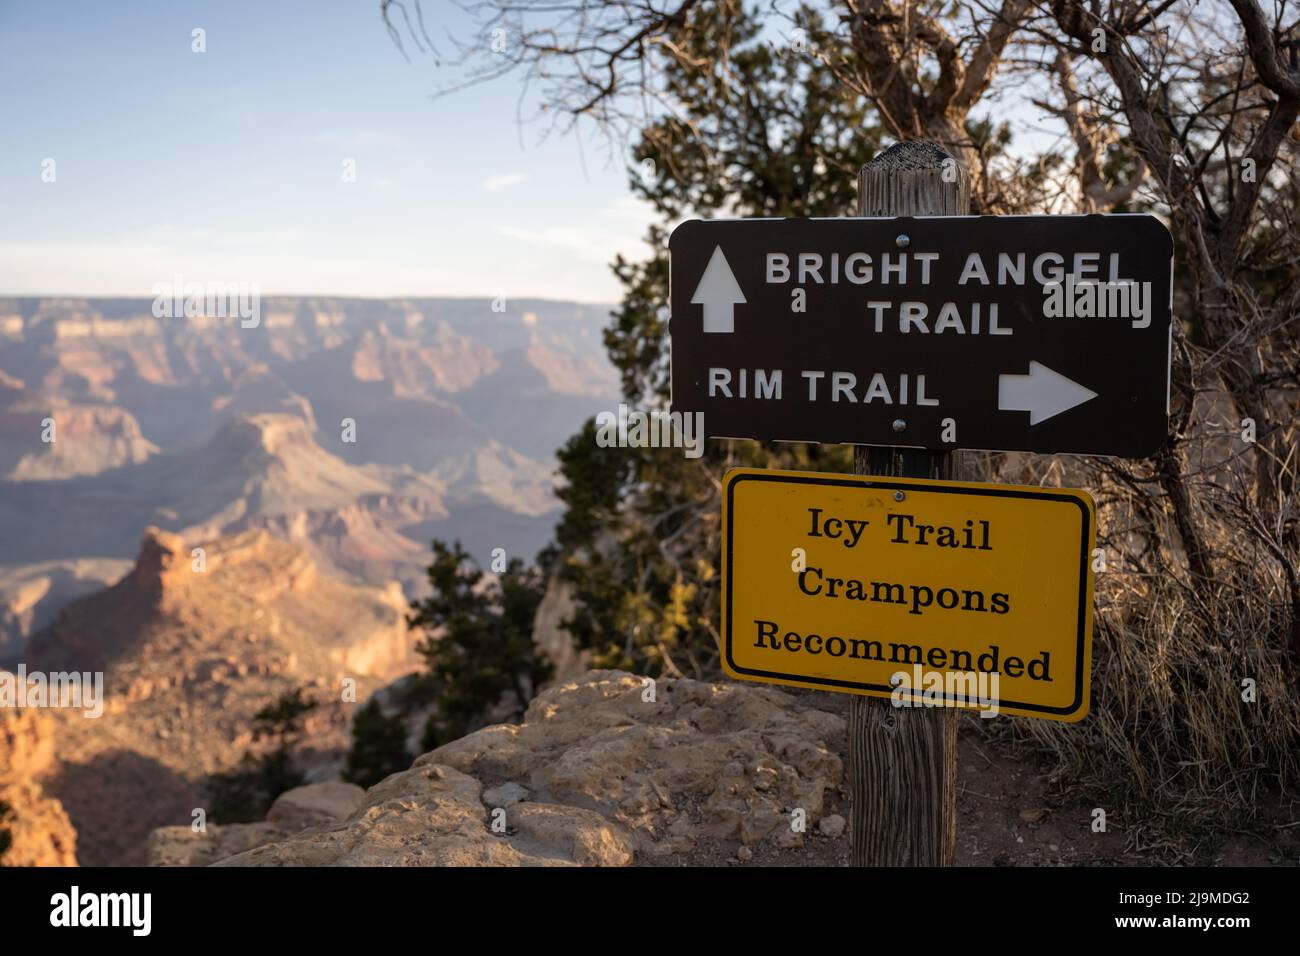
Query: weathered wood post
[[903, 760]]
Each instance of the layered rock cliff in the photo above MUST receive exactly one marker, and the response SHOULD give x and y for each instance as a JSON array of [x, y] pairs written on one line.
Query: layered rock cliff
[[192, 642]]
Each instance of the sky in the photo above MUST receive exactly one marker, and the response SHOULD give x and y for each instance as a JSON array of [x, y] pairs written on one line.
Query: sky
[[228, 165]]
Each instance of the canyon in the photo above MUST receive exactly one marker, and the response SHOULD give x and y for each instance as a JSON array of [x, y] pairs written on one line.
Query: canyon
[[359, 429], [208, 516]]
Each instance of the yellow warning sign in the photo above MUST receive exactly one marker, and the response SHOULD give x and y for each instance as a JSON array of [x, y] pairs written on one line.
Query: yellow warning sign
[[933, 593]]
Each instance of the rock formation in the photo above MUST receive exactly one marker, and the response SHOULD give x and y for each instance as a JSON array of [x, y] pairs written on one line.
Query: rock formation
[[192, 645], [38, 830], [208, 429], [606, 769], [293, 811], [87, 440]]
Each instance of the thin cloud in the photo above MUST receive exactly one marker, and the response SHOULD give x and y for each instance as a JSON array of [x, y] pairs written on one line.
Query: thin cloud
[[496, 183], [617, 227]]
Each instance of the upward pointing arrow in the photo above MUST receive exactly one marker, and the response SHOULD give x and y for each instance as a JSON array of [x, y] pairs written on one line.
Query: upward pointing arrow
[[719, 293], [1042, 393]]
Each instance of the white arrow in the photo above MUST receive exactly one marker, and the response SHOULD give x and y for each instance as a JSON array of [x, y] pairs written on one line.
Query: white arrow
[[719, 293], [1042, 393]]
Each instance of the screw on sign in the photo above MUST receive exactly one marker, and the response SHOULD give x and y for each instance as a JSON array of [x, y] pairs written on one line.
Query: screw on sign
[[915, 330]]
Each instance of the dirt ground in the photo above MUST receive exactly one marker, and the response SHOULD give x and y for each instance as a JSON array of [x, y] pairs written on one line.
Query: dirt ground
[[1009, 814]]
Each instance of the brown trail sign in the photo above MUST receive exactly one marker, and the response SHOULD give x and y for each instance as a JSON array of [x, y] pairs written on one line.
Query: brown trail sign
[[1009, 333]]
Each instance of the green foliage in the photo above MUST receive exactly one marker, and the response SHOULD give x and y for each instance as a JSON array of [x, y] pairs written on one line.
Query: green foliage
[[378, 746], [244, 795], [478, 643], [770, 135], [767, 134], [283, 719]]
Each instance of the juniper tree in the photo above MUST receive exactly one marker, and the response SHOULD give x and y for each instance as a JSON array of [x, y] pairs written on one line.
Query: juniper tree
[[478, 642], [1184, 109], [768, 135], [734, 110], [378, 745], [244, 794]]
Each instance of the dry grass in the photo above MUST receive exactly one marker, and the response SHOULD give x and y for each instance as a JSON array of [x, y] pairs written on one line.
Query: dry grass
[[1172, 748]]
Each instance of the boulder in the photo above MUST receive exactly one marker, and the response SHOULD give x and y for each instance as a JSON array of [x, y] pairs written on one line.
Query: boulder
[[315, 803], [433, 816], [691, 761], [506, 795], [606, 769], [294, 810]]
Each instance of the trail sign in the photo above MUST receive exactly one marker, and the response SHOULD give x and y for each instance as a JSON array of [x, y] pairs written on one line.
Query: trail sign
[[1011, 333], [935, 593]]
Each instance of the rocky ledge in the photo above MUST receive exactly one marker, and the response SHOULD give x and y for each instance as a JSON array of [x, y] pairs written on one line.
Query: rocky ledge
[[607, 769]]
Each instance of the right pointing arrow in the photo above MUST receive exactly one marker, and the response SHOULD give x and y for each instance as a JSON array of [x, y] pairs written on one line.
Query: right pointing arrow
[[1042, 393], [719, 293]]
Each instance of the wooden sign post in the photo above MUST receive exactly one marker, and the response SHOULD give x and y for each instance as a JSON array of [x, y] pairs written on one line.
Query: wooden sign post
[[903, 760]]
